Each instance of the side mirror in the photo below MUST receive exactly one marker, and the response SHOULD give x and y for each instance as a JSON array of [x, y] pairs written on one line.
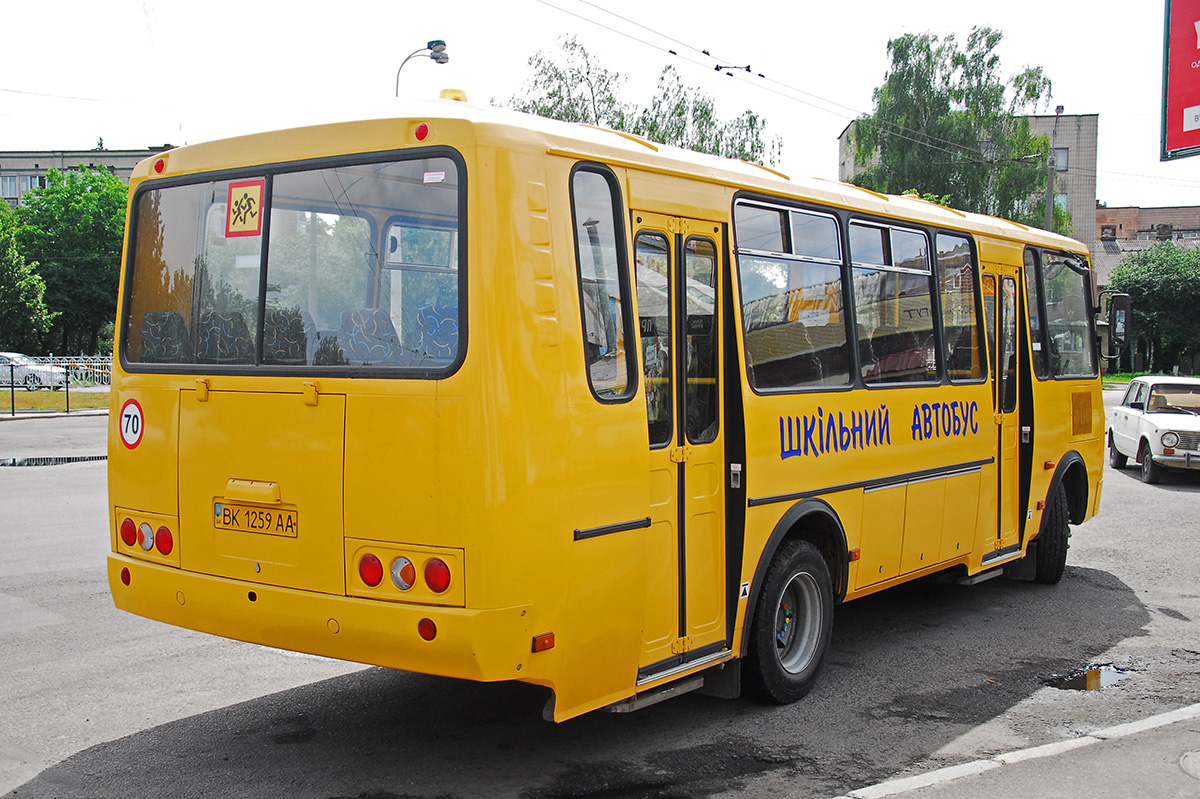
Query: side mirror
[[1138, 405], [1118, 320]]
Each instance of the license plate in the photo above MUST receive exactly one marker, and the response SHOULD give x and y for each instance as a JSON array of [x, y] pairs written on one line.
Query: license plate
[[256, 519]]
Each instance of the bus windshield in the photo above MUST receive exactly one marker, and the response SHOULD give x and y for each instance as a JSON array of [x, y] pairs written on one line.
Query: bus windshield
[[345, 267]]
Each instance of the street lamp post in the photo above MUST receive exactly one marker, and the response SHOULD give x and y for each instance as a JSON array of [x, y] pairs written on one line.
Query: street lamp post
[[437, 52]]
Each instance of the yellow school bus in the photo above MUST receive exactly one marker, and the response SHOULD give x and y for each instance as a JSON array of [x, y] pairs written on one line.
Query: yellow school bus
[[478, 394]]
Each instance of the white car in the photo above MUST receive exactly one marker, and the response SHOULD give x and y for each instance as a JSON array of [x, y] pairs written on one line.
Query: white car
[[21, 370], [1158, 425]]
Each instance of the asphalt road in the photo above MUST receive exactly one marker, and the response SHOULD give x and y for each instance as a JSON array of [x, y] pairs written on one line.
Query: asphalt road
[[98, 703]]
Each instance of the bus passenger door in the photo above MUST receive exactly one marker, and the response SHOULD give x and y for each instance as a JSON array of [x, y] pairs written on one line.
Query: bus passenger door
[[678, 271], [1006, 393]]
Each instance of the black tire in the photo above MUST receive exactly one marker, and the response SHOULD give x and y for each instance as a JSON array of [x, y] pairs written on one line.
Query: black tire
[[1116, 458], [1151, 471], [32, 382], [1053, 540], [789, 632]]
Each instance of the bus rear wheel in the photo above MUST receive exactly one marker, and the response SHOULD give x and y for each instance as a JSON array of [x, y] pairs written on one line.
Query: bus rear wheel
[[789, 633], [1051, 556]]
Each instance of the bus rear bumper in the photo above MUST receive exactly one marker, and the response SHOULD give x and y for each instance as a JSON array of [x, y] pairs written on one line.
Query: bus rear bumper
[[485, 645]]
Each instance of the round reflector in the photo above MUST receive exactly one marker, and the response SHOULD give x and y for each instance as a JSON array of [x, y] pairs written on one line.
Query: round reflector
[[146, 536], [427, 629], [370, 570], [125, 576], [164, 540], [422, 132], [437, 575], [404, 573], [128, 532]]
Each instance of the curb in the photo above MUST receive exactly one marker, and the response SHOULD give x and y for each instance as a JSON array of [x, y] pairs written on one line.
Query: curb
[[974, 767], [8, 417]]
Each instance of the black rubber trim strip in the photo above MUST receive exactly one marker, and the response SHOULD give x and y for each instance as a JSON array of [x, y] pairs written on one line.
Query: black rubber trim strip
[[877, 482], [621, 527]]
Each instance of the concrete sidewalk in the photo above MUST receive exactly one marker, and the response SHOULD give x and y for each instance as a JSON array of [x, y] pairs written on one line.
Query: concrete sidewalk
[[1157, 757]]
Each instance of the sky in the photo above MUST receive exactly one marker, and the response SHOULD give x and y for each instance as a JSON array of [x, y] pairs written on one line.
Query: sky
[[143, 73]]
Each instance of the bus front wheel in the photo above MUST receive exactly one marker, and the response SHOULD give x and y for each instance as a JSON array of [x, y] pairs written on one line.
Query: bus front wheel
[[789, 632], [1051, 556]]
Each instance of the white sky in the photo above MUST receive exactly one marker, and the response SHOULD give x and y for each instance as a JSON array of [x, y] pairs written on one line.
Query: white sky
[[140, 73]]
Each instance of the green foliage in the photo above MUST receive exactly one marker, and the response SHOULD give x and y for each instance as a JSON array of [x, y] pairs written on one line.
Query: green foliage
[[572, 87], [1163, 284], [946, 123], [73, 229], [575, 89], [24, 318]]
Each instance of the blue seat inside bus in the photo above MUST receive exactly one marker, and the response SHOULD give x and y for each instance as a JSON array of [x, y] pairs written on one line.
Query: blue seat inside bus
[[164, 337], [367, 337], [285, 338], [436, 333], [222, 337]]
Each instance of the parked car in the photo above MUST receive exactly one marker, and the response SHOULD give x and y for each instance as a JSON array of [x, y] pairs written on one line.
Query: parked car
[[21, 370], [1158, 425]]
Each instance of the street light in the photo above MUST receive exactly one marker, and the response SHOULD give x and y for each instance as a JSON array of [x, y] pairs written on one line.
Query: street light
[[437, 52]]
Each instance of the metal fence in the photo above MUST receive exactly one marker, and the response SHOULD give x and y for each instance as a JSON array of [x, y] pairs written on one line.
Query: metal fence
[[81, 372], [85, 370]]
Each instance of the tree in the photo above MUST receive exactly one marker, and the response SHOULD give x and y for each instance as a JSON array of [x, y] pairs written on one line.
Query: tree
[[577, 89], [946, 123], [1163, 284], [572, 87], [24, 318], [73, 228]]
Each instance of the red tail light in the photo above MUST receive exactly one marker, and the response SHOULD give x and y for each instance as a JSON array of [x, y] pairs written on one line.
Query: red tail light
[[437, 575], [427, 629], [370, 570], [129, 532], [164, 541]]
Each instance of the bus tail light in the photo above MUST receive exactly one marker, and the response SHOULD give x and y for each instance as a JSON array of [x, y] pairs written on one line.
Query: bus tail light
[[146, 536], [129, 532], [427, 629], [437, 575], [164, 540], [370, 570], [404, 573]]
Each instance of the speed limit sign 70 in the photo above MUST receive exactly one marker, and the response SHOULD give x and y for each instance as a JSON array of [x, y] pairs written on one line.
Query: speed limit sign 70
[[132, 423]]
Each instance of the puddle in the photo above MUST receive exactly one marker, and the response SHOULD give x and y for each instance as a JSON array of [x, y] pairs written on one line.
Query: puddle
[[1090, 679], [51, 461]]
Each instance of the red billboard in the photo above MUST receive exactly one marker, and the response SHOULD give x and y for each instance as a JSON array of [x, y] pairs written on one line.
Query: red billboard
[[1181, 80]]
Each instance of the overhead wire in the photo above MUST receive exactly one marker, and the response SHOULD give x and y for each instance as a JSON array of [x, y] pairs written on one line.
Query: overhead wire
[[789, 92]]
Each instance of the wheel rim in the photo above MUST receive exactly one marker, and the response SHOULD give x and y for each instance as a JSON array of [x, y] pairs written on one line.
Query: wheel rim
[[798, 622]]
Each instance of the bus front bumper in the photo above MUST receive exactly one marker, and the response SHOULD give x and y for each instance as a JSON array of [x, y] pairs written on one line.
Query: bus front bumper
[[486, 645]]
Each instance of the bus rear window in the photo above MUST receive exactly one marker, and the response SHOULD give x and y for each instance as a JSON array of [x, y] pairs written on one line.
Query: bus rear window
[[352, 266]]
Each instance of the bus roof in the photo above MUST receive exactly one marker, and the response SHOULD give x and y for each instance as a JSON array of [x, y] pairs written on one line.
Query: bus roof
[[503, 127]]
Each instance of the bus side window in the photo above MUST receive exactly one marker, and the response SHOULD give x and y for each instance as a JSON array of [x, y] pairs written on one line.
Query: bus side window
[[989, 321], [603, 283], [963, 345]]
